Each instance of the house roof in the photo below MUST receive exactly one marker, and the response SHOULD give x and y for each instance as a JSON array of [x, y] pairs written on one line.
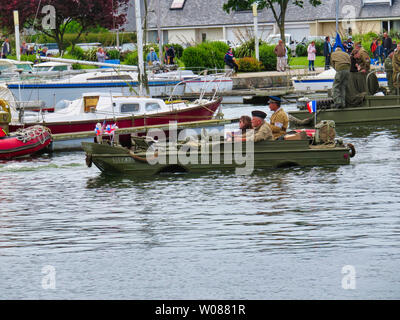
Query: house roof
[[210, 12]]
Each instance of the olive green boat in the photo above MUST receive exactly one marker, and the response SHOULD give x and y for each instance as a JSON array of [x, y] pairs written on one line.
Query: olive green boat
[[244, 157], [374, 109]]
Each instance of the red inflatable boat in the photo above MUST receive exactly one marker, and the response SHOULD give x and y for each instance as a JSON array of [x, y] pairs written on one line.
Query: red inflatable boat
[[24, 142]]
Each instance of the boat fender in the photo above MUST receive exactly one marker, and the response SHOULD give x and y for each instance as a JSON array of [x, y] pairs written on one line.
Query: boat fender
[[89, 160], [352, 150]]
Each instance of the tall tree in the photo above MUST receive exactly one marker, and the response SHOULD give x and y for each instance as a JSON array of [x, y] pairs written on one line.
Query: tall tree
[[278, 8], [109, 14]]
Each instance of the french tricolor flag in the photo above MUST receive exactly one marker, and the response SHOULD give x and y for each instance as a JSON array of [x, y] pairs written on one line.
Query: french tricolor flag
[[312, 106]]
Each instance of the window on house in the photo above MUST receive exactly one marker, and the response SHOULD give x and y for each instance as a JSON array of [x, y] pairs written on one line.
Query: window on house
[[377, 2], [177, 4], [203, 37]]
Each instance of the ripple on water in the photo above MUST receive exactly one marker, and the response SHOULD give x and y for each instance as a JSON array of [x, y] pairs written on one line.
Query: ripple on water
[[55, 206]]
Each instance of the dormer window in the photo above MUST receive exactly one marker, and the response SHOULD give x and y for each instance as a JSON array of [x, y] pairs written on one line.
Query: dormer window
[[366, 2], [177, 4]]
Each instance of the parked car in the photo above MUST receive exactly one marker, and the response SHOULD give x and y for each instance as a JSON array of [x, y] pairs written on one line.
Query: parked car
[[52, 48], [88, 46], [126, 47], [230, 43], [307, 40]]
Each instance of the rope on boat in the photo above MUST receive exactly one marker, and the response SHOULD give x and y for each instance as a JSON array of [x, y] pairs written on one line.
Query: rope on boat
[[30, 133], [299, 122]]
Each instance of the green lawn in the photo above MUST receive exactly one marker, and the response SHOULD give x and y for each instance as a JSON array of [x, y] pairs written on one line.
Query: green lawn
[[302, 62]]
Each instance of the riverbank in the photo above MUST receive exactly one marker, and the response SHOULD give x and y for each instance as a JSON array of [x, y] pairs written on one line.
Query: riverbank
[[269, 79]]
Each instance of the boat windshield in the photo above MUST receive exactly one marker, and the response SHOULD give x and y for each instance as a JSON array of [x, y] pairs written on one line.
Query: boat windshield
[[25, 67], [41, 68], [4, 67]]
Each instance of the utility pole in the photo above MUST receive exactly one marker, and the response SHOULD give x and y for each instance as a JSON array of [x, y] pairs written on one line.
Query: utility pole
[[256, 30], [337, 16]]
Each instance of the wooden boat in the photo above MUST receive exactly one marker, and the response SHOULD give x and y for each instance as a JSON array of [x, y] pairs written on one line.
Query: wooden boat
[[125, 111], [173, 158], [24, 142], [123, 82], [374, 109]]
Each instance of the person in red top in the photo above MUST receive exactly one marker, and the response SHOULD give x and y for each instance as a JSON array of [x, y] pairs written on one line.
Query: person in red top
[[374, 46]]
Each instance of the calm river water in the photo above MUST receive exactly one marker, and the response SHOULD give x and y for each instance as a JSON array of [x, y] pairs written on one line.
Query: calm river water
[[69, 232]]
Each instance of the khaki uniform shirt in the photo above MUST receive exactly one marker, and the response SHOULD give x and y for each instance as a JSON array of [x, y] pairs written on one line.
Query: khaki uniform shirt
[[340, 61], [279, 123], [261, 133], [364, 61], [396, 67]]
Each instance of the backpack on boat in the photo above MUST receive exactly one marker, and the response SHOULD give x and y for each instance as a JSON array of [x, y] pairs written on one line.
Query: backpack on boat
[[325, 132]]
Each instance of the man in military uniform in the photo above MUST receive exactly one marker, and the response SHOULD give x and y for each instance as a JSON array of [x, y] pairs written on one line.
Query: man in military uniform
[[389, 72], [279, 120], [396, 67], [262, 131], [340, 61], [364, 61]]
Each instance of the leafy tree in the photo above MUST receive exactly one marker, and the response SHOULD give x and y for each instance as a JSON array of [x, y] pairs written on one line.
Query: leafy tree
[[278, 8], [82, 15]]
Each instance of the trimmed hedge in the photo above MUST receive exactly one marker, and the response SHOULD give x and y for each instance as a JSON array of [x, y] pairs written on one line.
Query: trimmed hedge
[[268, 57], [207, 55], [249, 64], [301, 50], [105, 38]]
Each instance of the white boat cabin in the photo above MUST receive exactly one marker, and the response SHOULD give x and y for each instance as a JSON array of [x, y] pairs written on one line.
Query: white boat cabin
[[100, 105], [52, 66]]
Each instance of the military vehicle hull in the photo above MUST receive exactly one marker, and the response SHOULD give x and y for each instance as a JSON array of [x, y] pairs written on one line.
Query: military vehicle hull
[[219, 156]]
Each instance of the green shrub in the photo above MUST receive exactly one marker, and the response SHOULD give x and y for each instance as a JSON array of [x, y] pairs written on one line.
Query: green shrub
[[113, 54], [194, 57], [90, 55], [28, 57], [247, 49], [76, 52], [319, 45], [207, 55], [268, 57], [301, 50], [131, 58], [249, 64], [105, 38]]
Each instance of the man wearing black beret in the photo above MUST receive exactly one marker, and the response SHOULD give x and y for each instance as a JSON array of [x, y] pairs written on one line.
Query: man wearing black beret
[[262, 131]]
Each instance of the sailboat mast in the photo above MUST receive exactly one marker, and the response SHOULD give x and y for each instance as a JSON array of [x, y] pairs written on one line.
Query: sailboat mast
[[139, 44]]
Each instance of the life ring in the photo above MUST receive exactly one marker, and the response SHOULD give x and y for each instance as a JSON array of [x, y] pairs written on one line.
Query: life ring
[[88, 160], [352, 150]]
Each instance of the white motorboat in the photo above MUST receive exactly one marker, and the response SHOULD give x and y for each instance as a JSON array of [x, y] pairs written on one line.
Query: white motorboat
[[324, 81], [12, 69], [73, 86]]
